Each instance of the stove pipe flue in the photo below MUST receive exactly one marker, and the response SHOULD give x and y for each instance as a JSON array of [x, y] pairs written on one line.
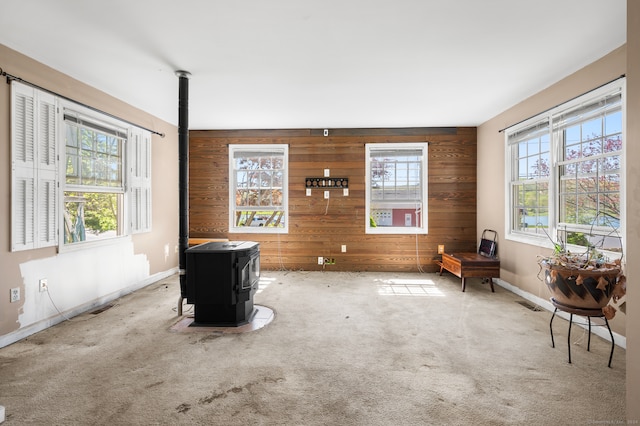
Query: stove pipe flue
[[183, 157]]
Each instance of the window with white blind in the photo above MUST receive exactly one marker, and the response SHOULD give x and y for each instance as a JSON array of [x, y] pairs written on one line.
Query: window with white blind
[[258, 176], [396, 191], [78, 176], [566, 172]]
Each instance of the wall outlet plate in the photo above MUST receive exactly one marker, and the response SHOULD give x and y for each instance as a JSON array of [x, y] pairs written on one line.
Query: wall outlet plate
[[43, 284], [343, 248], [440, 248], [15, 295], [326, 195], [320, 260]]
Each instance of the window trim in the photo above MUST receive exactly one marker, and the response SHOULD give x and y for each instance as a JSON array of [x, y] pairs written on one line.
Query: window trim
[[55, 132], [233, 148], [556, 147], [398, 230]]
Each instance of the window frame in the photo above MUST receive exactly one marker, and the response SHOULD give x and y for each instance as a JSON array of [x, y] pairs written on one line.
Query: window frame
[[48, 180], [423, 228], [259, 148], [79, 119], [551, 233]]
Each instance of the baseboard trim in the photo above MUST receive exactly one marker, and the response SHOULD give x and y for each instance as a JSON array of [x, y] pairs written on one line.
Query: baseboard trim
[[619, 339], [27, 331]]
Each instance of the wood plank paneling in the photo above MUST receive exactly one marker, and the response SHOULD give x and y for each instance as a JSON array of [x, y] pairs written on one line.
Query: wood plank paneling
[[318, 228]]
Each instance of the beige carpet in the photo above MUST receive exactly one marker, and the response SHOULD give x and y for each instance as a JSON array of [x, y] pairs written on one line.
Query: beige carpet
[[342, 349]]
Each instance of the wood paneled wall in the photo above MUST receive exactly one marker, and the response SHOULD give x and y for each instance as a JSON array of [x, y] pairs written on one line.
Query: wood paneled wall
[[314, 229]]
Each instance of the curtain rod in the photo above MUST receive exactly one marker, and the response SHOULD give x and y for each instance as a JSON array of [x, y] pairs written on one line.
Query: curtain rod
[[553, 107], [13, 77]]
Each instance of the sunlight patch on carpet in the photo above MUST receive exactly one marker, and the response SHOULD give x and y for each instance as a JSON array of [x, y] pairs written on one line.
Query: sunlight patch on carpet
[[409, 287]]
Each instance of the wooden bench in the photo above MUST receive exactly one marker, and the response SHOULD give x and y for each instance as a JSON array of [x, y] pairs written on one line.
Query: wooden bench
[[466, 265]]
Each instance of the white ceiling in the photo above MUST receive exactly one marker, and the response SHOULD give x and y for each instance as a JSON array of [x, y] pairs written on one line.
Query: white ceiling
[[317, 63]]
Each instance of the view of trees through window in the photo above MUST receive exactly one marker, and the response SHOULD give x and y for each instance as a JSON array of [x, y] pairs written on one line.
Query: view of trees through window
[[94, 185], [90, 215], [259, 179], [588, 175]]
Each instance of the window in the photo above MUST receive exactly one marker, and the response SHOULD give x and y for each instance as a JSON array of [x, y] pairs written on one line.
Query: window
[[530, 178], [258, 176], [70, 185], [94, 180], [566, 173], [396, 194]]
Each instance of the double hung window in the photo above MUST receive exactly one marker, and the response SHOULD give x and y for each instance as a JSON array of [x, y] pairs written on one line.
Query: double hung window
[[566, 173], [94, 179], [258, 176], [396, 195], [77, 175], [530, 177]]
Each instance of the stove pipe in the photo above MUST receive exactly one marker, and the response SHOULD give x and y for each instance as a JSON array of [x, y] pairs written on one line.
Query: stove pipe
[[183, 157]]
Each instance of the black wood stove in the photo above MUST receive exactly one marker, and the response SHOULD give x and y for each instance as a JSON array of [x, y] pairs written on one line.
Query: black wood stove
[[222, 278]]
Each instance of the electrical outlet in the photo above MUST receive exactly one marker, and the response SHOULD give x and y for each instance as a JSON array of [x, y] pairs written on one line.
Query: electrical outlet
[[344, 248], [326, 195], [320, 260], [44, 286], [440, 248], [15, 294]]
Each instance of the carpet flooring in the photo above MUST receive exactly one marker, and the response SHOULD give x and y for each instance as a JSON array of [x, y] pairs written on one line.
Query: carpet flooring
[[341, 349]]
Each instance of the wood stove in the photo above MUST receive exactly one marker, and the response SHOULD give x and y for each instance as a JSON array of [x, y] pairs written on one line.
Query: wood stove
[[222, 278]]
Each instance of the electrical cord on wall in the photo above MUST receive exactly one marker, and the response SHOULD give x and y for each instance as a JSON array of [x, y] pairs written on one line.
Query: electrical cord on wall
[[55, 306], [418, 257], [418, 211]]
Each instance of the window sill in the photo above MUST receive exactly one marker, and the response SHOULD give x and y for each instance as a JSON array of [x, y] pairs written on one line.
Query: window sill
[[87, 245], [396, 230]]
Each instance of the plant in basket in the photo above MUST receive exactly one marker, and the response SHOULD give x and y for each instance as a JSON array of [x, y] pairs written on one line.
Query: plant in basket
[[585, 280]]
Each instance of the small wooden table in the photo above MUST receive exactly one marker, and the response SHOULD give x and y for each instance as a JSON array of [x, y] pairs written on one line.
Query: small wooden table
[[464, 265]]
